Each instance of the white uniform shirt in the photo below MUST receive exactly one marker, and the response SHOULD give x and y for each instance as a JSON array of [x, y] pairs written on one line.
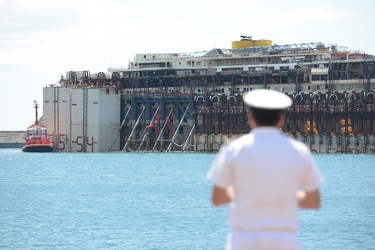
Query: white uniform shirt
[[266, 169]]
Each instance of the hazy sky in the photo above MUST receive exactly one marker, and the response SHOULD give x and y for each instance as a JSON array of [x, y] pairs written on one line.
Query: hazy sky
[[41, 39]]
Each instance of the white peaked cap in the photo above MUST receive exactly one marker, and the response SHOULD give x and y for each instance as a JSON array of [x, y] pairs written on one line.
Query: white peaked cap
[[267, 99]]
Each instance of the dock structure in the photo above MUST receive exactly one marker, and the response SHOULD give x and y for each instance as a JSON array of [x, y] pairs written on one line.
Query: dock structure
[[194, 102], [156, 121], [12, 139]]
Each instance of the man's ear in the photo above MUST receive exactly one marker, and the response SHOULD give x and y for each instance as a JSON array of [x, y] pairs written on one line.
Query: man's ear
[[251, 120], [281, 120]]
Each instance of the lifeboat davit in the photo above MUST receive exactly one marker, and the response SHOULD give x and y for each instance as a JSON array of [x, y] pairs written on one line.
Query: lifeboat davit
[[37, 139]]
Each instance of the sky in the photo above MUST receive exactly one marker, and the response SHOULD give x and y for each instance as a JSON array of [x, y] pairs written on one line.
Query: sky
[[40, 40]]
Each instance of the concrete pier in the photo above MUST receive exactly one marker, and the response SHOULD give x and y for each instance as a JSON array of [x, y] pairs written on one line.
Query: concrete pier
[[12, 139]]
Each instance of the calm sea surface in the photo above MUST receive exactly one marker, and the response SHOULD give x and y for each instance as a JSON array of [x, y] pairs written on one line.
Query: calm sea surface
[[159, 201]]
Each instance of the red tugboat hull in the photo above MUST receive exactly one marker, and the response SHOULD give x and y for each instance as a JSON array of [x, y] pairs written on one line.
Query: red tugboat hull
[[37, 148]]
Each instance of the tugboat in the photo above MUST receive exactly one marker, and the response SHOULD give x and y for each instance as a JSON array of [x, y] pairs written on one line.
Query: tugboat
[[37, 137]]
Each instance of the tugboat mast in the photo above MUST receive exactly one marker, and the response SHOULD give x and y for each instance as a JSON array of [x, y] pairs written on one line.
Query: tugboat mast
[[36, 106]]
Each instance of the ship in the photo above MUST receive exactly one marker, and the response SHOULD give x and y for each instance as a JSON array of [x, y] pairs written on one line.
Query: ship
[[194, 101], [37, 138]]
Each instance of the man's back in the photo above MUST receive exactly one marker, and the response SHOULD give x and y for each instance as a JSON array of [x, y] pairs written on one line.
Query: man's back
[[268, 169]]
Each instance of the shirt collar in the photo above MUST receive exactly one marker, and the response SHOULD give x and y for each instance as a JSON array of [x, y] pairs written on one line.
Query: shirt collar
[[266, 130]]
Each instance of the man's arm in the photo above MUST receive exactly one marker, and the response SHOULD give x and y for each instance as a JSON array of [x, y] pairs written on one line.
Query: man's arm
[[309, 200], [221, 196]]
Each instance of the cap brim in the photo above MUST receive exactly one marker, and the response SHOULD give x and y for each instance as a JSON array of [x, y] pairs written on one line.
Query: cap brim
[[267, 99]]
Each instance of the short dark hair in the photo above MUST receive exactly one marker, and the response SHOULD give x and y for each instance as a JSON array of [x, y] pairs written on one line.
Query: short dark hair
[[266, 117]]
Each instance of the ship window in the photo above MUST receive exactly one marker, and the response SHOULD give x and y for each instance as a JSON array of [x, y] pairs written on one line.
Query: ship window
[[144, 56]]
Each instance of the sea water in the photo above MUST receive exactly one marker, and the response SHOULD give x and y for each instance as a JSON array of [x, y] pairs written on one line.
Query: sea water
[[159, 201]]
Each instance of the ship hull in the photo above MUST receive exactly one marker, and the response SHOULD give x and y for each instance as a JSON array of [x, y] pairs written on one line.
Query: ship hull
[[194, 101], [37, 148]]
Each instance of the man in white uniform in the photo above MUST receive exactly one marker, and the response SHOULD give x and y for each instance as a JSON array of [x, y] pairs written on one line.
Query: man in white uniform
[[266, 177]]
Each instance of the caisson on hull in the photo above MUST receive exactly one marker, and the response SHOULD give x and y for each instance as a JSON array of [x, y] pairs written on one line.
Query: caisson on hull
[[193, 101]]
